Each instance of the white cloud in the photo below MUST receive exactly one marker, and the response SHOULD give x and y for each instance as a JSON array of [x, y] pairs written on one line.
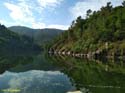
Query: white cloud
[[20, 12], [2, 21], [81, 7], [8, 23], [41, 25], [13, 23], [35, 79], [49, 3], [63, 27], [23, 12], [26, 7], [38, 25], [16, 12]]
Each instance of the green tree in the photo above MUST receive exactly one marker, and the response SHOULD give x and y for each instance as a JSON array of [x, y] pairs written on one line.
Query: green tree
[[123, 3], [109, 6], [89, 12]]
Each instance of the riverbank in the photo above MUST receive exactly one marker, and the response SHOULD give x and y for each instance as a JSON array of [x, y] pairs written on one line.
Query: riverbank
[[90, 55]]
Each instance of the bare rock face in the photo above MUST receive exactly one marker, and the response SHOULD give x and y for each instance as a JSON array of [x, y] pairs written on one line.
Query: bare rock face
[[75, 92]]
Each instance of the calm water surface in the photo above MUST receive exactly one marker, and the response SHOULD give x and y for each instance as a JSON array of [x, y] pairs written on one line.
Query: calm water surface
[[57, 74]]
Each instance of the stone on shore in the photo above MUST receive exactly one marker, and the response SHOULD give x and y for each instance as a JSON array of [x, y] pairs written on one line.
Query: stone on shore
[[75, 92]]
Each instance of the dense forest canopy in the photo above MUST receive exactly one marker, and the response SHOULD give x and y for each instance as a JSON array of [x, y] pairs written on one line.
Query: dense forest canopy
[[101, 30]]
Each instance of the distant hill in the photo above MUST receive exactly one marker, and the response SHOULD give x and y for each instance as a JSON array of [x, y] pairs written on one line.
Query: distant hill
[[22, 30], [12, 43], [40, 36]]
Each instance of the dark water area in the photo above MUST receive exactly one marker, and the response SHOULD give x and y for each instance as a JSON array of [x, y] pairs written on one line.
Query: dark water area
[[42, 73]]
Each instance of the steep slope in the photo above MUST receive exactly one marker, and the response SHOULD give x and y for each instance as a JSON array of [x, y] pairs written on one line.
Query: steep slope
[[40, 36], [12, 43], [102, 32]]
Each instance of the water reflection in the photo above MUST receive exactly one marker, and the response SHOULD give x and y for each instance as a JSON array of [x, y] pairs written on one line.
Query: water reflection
[[7, 62], [25, 63], [36, 82], [94, 75], [59, 74], [32, 74]]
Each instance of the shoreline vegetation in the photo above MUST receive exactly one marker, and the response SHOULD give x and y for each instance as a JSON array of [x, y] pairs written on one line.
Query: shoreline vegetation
[[100, 34]]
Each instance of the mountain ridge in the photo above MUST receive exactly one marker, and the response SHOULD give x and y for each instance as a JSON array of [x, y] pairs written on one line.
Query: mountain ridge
[[39, 36]]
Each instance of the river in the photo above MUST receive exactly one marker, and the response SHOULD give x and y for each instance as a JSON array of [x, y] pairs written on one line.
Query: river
[[43, 73]]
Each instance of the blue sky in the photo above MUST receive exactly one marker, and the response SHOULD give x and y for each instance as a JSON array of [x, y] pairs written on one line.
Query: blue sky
[[47, 13]]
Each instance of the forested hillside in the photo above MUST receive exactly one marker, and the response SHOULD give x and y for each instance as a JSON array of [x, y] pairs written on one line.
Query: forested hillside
[[101, 32], [39, 36], [12, 43]]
